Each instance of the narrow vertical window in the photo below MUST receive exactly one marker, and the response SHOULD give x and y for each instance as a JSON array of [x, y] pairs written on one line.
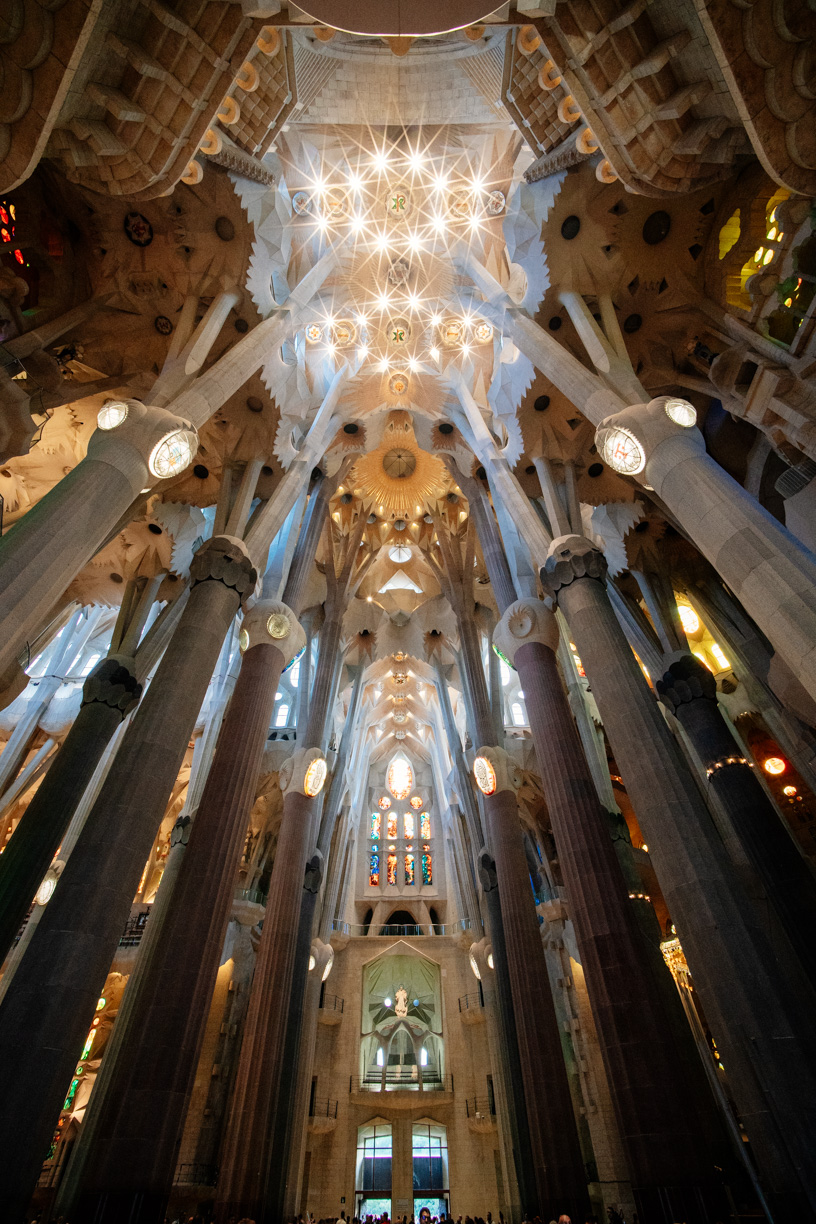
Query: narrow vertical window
[[427, 865]]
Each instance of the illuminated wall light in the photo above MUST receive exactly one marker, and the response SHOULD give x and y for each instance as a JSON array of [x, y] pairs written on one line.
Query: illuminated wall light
[[774, 766], [790, 791], [362, 352], [720, 656], [434, 354], [436, 319], [688, 618]]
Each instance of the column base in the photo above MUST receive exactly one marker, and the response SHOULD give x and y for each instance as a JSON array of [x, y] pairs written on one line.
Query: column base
[[691, 1204]]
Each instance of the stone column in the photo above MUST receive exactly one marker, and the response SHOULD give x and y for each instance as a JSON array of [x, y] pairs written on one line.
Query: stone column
[[108, 695], [557, 1172], [130, 1173], [48, 547], [44, 1018], [246, 1155], [767, 568], [689, 690], [764, 1032], [659, 1118]]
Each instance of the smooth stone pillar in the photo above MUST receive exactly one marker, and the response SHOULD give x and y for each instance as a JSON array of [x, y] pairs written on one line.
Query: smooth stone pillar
[[108, 695], [44, 1018], [651, 1085], [689, 690], [48, 547], [130, 1172], [558, 1174], [765, 1032], [246, 1155]]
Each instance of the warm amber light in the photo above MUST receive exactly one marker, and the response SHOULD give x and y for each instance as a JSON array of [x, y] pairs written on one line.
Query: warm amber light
[[790, 791], [485, 775], [774, 766]]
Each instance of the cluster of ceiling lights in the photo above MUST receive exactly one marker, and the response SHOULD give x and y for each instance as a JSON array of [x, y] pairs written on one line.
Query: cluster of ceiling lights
[[398, 206]]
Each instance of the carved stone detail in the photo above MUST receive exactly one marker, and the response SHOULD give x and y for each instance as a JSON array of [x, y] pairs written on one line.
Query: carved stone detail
[[224, 559], [686, 680], [525, 621], [571, 557], [113, 684]]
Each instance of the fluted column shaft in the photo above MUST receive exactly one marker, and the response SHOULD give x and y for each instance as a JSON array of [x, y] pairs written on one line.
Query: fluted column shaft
[[766, 1039], [650, 1087], [690, 692], [131, 1172], [44, 1018], [109, 693], [557, 1177], [246, 1155]]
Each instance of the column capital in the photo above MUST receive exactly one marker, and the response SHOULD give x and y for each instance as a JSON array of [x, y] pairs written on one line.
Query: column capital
[[685, 680], [225, 559], [525, 621], [272, 623], [112, 683], [571, 557], [495, 771], [304, 773], [629, 439], [164, 443]]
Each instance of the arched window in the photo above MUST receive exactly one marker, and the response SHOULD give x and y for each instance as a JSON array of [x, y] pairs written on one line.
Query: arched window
[[391, 865], [425, 825], [400, 778], [391, 821], [517, 712], [409, 866], [408, 824], [282, 715], [427, 865], [376, 824], [374, 867]]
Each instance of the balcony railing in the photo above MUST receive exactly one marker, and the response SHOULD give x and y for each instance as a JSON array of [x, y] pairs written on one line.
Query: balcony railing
[[480, 1107], [412, 929], [323, 1109], [471, 1002], [196, 1175], [134, 930], [401, 1079], [332, 1003]]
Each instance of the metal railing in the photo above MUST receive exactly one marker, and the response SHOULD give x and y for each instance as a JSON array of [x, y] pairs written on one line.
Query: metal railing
[[196, 1175], [134, 930], [480, 1107], [414, 929], [332, 1003], [471, 1002], [401, 1079], [323, 1109]]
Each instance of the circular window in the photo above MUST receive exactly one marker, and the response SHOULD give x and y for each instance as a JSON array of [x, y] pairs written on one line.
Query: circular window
[[277, 625], [399, 463], [351, 428], [554, 323], [623, 452], [571, 227], [172, 455], [656, 228], [112, 414], [201, 471], [542, 403], [398, 383], [632, 323], [446, 428], [594, 469], [400, 553]]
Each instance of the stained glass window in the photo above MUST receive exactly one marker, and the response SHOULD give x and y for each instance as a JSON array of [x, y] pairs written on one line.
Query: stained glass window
[[392, 825], [384, 803], [427, 865], [409, 868], [400, 778], [374, 871], [376, 824], [408, 824], [425, 825], [416, 801], [392, 867]]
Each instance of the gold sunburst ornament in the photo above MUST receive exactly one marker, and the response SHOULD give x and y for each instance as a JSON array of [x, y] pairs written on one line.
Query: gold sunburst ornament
[[398, 487]]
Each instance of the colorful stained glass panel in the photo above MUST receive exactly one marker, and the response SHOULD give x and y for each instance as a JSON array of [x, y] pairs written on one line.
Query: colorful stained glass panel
[[425, 825]]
